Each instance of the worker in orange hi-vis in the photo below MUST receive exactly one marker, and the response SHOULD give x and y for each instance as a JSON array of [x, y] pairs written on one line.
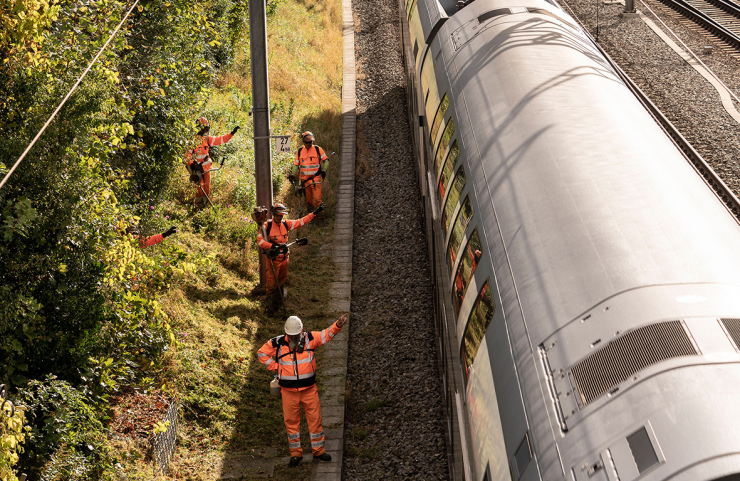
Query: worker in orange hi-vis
[[199, 157], [311, 163], [292, 357], [277, 230], [150, 241]]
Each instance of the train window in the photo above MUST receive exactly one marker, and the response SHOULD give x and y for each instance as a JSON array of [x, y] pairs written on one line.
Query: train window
[[452, 199], [444, 143], [415, 30], [441, 111], [410, 4], [466, 269], [642, 450], [478, 322], [458, 231], [452, 157], [429, 82], [522, 456]]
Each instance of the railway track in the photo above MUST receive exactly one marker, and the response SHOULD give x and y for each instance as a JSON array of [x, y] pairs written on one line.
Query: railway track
[[720, 19], [721, 189]]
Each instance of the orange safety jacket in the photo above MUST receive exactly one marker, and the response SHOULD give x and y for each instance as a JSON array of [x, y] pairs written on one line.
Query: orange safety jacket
[[201, 153], [296, 369], [309, 163], [278, 233]]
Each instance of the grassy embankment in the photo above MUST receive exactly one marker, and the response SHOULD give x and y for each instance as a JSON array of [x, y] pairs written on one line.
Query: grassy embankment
[[213, 370]]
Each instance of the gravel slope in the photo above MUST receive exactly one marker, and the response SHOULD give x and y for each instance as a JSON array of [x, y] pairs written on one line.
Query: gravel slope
[[393, 424], [685, 97]]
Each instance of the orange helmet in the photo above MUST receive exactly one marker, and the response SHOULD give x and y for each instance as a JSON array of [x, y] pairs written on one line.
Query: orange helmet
[[307, 136], [279, 209], [204, 126]]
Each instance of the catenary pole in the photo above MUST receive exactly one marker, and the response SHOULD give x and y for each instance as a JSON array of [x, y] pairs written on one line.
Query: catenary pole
[[261, 112]]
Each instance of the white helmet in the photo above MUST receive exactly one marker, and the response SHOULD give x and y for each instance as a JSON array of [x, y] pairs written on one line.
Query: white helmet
[[293, 326]]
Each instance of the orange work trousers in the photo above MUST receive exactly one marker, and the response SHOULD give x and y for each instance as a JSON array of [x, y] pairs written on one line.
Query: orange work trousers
[[281, 267], [292, 401], [205, 183], [313, 196]]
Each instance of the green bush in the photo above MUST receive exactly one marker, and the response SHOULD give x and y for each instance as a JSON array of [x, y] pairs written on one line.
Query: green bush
[[67, 437]]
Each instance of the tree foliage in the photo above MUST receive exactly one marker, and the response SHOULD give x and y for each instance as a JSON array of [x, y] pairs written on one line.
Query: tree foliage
[[79, 297]]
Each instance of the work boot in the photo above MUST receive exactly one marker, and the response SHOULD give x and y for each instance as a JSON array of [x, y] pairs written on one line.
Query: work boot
[[324, 457], [295, 461]]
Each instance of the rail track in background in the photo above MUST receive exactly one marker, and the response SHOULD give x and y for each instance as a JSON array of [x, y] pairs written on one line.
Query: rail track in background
[[719, 19], [729, 199]]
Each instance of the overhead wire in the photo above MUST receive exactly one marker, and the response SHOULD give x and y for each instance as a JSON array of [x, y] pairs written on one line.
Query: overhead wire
[[69, 94]]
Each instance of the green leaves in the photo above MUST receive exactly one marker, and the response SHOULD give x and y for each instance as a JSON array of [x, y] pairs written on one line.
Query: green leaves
[[16, 219]]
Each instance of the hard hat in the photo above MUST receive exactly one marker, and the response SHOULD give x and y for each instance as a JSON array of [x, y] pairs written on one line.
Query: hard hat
[[279, 209], [307, 136], [203, 125], [293, 326]]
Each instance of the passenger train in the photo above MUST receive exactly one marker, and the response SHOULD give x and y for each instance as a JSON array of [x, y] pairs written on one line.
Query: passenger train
[[587, 278]]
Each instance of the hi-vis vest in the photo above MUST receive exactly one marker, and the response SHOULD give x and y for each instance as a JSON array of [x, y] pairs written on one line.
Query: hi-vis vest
[[201, 153], [309, 163], [296, 371], [278, 233]]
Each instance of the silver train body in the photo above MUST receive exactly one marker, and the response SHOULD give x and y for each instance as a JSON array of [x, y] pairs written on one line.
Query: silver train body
[[587, 279]]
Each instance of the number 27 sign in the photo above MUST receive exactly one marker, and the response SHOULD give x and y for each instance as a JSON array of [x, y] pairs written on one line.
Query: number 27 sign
[[282, 143]]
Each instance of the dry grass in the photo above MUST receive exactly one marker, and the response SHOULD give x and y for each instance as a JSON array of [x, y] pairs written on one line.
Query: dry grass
[[213, 369]]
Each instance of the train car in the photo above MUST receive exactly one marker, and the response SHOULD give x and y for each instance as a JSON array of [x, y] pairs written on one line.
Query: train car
[[587, 278]]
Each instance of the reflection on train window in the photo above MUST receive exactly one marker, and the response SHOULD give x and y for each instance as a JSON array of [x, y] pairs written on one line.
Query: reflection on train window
[[410, 4], [429, 81], [451, 204], [441, 111], [466, 269], [444, 143], [478, 322], [463, 217], [449, 164], [445, 140]]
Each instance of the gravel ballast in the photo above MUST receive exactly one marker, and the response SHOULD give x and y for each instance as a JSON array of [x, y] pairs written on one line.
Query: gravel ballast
[[685, 97], [394, 428]]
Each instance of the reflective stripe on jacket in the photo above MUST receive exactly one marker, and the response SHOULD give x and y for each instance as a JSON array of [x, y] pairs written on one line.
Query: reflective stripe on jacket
[[309, 161], [201, 152], [296, 371], [279, 233]]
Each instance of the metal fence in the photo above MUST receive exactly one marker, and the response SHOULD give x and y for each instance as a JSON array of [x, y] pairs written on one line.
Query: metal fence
[[164, 443]]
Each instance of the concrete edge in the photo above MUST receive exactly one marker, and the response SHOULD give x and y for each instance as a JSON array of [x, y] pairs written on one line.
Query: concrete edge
[[334, 372]]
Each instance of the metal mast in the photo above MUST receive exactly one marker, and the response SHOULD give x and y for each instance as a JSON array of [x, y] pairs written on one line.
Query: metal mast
[[261, 111]]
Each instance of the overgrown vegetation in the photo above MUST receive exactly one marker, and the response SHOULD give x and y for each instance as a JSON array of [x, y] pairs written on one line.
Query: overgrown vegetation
[[88, 318]]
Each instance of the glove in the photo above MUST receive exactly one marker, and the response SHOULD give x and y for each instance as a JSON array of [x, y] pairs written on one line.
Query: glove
[[319, 209], [235, 129], [323, 175], [272, 252], [170, 231], [291, 178]]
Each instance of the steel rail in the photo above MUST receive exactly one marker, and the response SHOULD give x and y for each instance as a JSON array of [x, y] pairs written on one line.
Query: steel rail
[[706, 21], [721, 190], [729, 6]]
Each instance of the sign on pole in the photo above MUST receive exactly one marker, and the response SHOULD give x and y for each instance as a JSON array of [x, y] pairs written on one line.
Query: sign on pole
[[282, 143]]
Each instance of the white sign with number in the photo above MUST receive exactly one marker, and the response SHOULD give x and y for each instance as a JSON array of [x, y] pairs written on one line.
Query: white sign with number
[[282, 143]]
